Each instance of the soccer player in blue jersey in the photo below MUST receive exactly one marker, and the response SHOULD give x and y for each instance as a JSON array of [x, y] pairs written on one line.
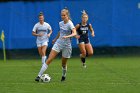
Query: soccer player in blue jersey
[[62, 43], [42, 31], [83, 38]]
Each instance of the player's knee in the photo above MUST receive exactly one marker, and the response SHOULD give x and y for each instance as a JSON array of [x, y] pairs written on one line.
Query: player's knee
[[84, 53], [49, 60], [43, 53], [40, 53], [90, 54], [64, 65]]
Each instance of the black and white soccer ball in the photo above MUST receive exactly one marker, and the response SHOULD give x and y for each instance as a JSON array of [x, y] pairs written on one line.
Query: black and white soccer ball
[[45, 78]]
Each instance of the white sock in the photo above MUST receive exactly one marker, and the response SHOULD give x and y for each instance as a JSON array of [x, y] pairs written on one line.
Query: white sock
[[43, 59], [42, 70], [64, 70]]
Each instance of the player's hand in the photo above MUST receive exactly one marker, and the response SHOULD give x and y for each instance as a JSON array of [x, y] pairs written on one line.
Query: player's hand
[[48, 35], [41, 34], [93, 35], [77, 36], [53, 41], [64, 37]]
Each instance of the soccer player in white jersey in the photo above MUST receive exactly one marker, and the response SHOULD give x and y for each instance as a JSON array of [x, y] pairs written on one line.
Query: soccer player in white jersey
[[62, 43], [42, 31]]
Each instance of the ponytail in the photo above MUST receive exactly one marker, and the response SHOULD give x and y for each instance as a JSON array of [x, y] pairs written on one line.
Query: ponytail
[[41, 14], [84, 13]]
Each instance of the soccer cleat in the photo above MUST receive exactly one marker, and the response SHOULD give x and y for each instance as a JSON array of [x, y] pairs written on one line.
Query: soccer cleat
[[37, 78], [84, 65], [63, 78]]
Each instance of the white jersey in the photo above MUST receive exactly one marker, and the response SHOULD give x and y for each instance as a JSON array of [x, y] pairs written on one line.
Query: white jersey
[[38, 28], [65, 30]]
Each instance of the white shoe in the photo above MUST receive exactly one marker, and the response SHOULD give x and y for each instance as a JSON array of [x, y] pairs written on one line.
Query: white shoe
[[84, 66]]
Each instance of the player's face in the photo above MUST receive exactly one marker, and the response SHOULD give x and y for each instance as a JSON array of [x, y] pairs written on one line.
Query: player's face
[[64, 16], [84, 18], [41, 18]]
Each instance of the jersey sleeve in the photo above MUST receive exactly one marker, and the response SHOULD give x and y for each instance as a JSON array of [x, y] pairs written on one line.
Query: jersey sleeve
[[71, 26], [34, 28], [49, 27]]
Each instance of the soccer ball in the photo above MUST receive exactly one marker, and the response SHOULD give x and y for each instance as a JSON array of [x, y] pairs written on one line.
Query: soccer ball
[[45, 78]]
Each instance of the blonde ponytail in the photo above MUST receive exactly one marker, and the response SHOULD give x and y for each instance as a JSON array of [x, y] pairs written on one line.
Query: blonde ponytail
[[84, 13]]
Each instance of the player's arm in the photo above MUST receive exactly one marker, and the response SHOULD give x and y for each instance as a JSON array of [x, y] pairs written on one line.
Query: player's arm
[[77, 27], [35, 34], [49, 34], [91, 30], [34, 31], [56, 38], [50, 31], [71, 35]]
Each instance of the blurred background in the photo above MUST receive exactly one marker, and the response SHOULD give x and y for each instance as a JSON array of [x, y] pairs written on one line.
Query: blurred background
[[116, 24]]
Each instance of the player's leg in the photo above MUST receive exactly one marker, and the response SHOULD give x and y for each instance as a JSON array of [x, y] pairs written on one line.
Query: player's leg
[[83, 53], [89, 49], [82, 50], [66, 54], [39, 50], [64, 68], [44, 48], [52, 55], [81, 45], [55, 50]]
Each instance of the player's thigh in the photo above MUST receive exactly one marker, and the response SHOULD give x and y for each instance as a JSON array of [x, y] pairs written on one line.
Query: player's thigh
[[82, 47], [40, 51], [89, 48], [52, 55], [55, 50], [44, 48]]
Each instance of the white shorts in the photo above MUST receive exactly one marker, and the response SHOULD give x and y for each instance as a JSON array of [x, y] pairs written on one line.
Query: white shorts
[[66, 51], [42, 44]]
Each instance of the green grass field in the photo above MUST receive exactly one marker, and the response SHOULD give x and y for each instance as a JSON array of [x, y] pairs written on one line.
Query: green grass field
[[102, 75]]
